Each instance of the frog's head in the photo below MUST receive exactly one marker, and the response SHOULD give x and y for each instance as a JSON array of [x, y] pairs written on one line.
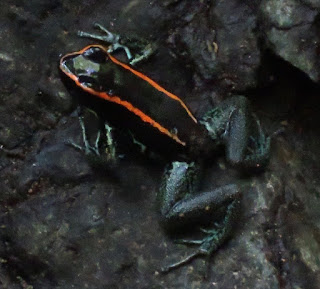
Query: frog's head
[[86, 67]]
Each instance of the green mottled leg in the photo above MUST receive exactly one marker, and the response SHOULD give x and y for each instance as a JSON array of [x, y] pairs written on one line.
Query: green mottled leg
[[109, 37], [247, 145], [180, 180], [147, 51], [233, 123], [180, 206], [110, 147], [143, 148], [238, 130], [89, 149], [258, 155], [121, 43], [212, 241], [113, 39]]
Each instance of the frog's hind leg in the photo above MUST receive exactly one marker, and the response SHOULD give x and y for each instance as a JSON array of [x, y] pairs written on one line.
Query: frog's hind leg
[[177, 210], [259, 152], [213, 238], [233, 123], [246, 144]]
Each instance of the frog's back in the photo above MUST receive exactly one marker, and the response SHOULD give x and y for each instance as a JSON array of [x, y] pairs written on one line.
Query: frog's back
[[100, 74]]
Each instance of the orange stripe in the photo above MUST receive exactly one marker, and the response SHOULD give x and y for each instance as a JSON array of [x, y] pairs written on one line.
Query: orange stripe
[[80, 52], [154, 84], [117, 99]]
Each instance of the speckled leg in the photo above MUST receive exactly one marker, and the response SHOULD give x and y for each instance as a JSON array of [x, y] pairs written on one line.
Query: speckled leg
[[233, 124], [113, 39], [213, 239], [180, 206], [89, 149], [116, 42]]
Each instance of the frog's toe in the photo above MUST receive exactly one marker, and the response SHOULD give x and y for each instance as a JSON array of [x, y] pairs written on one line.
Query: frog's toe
[[188, 242], [87, 148], [168, 268], [260, 151]]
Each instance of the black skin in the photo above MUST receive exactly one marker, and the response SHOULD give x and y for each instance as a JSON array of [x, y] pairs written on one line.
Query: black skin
[[231, 125]]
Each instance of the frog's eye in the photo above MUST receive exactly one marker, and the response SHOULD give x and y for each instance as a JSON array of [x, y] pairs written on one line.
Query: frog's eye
[[96, 54]]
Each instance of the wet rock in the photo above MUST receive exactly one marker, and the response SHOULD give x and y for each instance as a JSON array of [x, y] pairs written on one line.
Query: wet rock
[[197, 41], [299, 248], [51, 231], [53, 96], [7, 82], [58, 163], [13, 131], [222, 44], [238, 53], [292, 32]]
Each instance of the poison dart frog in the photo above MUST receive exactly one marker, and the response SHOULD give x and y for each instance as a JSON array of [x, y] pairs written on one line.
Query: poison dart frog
[[97, 72]]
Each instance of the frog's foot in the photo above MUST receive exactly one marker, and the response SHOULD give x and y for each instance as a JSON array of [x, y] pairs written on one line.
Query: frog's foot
[[118, 43], [87, 148], [109, 37], [259, 153], [212, 240], [142, 147], [95, 149], [110, 149], [145, 54]]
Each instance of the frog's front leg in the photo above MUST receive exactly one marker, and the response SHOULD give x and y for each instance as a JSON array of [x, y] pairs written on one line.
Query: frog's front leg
[[108, 37], [181, 205], [127, 44], [233, 123], [110, 148]]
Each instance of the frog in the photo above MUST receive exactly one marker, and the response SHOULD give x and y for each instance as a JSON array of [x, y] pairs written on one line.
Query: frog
[[230, 127]]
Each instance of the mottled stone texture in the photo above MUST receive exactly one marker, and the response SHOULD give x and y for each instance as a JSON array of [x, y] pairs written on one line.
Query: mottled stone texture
[[291, 31]]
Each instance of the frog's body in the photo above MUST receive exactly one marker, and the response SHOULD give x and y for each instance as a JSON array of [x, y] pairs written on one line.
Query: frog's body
[[97, 72], [161, 110]]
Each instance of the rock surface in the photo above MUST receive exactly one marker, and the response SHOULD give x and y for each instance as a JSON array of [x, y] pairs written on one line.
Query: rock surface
[[70, 221]]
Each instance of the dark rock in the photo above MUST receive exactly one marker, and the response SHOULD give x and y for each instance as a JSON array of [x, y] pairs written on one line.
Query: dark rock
[[292, 32], [221, 43], [13, 131], [51, 231], [238, 55], [60, 164]]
